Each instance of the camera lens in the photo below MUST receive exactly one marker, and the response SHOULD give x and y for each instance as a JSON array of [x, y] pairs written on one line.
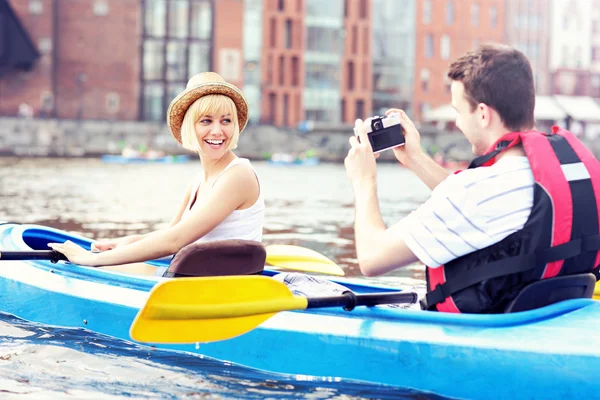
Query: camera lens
[[377, 125]]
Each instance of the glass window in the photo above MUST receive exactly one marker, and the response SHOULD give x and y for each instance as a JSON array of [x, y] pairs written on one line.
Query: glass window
[[331, 9], [176, 61], [154, 18], [445, 47], [178, 18], [153, 102], [475, 15], [252, 73], [289, 29], [153, 60], [350, 75], [426, 11], [425, 79], [493, 16], [199, 58], [429, 46], [322, 76], [174, 89], [295, 71], [324, 39], [449, 12], [201, 20]]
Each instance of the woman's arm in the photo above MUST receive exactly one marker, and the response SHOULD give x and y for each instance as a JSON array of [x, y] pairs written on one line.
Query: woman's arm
[[235, 188], [109, 244]]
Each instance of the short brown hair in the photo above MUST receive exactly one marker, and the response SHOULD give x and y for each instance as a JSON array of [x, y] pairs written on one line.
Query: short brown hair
[[500, 77]]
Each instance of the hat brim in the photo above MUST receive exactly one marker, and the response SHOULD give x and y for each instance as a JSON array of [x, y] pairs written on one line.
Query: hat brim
[[184, 100]]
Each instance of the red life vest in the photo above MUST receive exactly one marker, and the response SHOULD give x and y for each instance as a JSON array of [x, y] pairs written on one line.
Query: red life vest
[[560, 237]]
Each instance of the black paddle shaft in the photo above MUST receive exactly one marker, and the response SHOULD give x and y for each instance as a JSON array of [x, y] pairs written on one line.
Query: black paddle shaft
[[52, 255], [349, 299]]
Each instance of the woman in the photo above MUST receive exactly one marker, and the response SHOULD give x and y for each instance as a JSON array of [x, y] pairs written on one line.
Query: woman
[[224, 203]]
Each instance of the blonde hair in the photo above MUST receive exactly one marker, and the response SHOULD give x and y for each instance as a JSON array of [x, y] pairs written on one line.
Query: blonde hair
[[211, 104]]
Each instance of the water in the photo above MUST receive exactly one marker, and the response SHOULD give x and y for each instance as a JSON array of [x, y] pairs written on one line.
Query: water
[[306, 206]]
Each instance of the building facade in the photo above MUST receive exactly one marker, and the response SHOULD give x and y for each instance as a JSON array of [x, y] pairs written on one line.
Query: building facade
[[527, 29]]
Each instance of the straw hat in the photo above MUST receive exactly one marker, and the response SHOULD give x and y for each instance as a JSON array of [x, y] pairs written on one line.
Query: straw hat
[[200, 85]]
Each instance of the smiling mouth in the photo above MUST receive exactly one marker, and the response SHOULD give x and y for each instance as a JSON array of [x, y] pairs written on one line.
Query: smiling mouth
[[215, 142]]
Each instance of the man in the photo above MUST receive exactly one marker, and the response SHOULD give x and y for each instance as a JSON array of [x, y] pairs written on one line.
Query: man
[[477, 232]]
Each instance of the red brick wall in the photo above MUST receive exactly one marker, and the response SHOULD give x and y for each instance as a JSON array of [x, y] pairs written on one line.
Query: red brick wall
[[463, 37], [228, 44], [106, 48], [357, 51], [282, 81], [27, 87]]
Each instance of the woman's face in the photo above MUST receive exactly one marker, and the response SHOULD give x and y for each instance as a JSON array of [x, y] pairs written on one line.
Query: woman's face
[[215, 133]]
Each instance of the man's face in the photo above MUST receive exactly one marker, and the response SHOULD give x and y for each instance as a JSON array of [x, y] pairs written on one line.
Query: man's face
[[468, 120]]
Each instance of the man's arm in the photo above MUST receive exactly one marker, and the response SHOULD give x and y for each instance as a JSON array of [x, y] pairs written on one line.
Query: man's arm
[[378, 249]]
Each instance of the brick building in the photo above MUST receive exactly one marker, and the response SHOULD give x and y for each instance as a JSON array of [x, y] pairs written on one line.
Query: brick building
[[445, 29]]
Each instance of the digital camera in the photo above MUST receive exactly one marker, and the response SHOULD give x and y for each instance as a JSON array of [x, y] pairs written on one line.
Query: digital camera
[[384, 132]]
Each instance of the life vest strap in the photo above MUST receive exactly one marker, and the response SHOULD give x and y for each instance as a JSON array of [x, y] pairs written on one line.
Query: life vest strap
[[509, 266]]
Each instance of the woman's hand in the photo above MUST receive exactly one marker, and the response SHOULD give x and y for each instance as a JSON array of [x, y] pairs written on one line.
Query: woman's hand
[[74, 253], [411, 151], [104, 245]]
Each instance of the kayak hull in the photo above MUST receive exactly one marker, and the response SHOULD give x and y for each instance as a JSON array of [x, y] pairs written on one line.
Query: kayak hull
[[547, 353]]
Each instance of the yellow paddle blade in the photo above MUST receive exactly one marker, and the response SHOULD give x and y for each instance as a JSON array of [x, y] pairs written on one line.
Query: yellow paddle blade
[[597, 291], [301, 259], [191, 310]]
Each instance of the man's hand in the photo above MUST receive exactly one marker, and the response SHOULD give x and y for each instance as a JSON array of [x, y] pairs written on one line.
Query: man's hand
[[360, 161], [411, 151]]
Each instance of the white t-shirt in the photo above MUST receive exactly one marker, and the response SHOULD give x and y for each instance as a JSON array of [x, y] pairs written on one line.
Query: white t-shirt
[[469, 211]]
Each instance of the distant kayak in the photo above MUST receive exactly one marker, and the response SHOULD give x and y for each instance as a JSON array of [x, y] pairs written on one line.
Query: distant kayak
[[119, 159], [312, 161]]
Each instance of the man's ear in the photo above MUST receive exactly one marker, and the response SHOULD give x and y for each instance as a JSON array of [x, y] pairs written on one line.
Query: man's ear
[[484, 113]]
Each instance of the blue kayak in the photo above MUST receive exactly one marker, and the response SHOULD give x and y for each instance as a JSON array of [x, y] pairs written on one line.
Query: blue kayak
[[119, 159], [552, 352]]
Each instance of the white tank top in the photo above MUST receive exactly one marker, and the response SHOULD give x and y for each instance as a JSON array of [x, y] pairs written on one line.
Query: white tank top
[[244, 224]]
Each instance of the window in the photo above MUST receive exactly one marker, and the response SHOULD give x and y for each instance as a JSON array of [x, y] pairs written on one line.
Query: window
[[281, 5], [429, 46], [289, 30], [286, 110], [100, 8], [154, 18], [445, 47], [363, 9], [426, 11], [350, 81], [36, 7], [153, 59], [449, 12], [201, 20], [295, 71], [493, 16], [178, 18], [173, 50], [176, 55], [272, 106], [273, 34], [281, 70], [475, 15], [354, 39], [425, 79], [360, 109]]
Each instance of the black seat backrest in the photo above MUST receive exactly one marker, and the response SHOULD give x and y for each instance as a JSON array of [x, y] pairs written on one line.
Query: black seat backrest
[[218, 258], [549, 291]]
